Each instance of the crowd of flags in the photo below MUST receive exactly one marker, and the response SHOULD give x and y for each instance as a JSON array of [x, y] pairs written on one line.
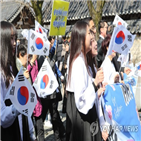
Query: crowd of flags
[[21, 91], [23, 95]]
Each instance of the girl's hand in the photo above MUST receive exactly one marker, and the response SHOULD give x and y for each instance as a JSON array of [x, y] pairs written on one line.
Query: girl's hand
[[100, 91], [26, 74], [104, 135], [112, 55], [99, 77]]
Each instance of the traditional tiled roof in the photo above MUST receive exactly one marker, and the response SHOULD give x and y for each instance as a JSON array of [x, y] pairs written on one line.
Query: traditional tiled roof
[[10, 10], [79, 10], [111, 8]]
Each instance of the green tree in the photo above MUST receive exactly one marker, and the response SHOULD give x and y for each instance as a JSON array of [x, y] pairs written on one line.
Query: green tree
[[96, 13], [37, 6]]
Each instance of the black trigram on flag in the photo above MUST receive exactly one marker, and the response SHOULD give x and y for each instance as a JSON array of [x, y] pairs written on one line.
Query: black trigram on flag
[[21, 77], [32, 97], [129, 38], [12, 90], [44, 68], [32, 48], [25, 111], [51, 84], [45, 50], [32, 36]]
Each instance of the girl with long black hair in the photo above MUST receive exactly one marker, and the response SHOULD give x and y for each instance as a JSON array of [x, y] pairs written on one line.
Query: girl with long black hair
[[14, 126], [82, 119]]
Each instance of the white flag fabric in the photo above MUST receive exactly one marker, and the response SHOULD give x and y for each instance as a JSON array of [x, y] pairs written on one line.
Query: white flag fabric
[[40, 29], [37, 44], [25, 33], [22, 95], [45, 82], [138, 69], [119, 21], [123, 58], [121, 40]]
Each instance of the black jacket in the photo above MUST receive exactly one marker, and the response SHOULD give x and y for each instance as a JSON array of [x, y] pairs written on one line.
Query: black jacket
[[100, 56]]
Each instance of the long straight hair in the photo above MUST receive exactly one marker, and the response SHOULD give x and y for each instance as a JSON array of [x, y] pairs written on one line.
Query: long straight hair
[[78, 37], [6, 49]]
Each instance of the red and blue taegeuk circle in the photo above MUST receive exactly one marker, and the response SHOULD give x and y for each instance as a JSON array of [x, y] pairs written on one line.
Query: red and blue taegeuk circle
[[39, 43], [23, 95], [44, 81], [40, 30], [139, 67], [120, 37]]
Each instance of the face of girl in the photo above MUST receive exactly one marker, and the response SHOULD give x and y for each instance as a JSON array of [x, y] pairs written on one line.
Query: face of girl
[[88, 40], [13, 43], [94, 46], [23, 59]]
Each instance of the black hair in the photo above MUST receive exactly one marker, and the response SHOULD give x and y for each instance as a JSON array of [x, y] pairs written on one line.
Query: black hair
[[87, 20], [101, 24], [78, 36], [21, 50], [7, 31]]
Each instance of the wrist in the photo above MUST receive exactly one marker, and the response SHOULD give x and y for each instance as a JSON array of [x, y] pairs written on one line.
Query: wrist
[[110, 57], [95, 82]]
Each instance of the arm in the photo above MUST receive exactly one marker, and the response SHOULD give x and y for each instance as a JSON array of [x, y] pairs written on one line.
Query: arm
[[109, 71], [83, 88], [8, 113]]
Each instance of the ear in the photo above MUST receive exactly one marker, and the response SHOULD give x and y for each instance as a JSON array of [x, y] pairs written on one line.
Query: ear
[[20, 55]]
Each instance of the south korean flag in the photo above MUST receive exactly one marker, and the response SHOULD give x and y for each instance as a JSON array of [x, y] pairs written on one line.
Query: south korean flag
[[40, 29], [45, 82], [37, 44], [22, 95], [119, 21], [121, 41]]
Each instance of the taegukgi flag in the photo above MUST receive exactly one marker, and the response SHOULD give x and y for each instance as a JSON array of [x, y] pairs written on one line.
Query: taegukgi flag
[[40, 29], [119, 21], [138, 69], [22, 95], [45, 82], [121, 40], [37, 44]]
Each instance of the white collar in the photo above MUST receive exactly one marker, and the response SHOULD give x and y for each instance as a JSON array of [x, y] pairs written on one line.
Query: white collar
[[101, 36]]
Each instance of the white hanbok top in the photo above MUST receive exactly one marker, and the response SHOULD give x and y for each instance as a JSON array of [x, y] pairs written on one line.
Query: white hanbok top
[[81, 85], [108, 70], [8, 114]]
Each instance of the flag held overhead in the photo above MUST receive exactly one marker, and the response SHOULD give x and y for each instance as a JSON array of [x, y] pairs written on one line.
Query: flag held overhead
[[37, 44], [40, 29], [119, 21], [121, 40]]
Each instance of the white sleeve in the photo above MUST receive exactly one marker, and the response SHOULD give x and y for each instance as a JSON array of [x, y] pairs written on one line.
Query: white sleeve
[[8, 113], [109, 71], [83, 88]]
